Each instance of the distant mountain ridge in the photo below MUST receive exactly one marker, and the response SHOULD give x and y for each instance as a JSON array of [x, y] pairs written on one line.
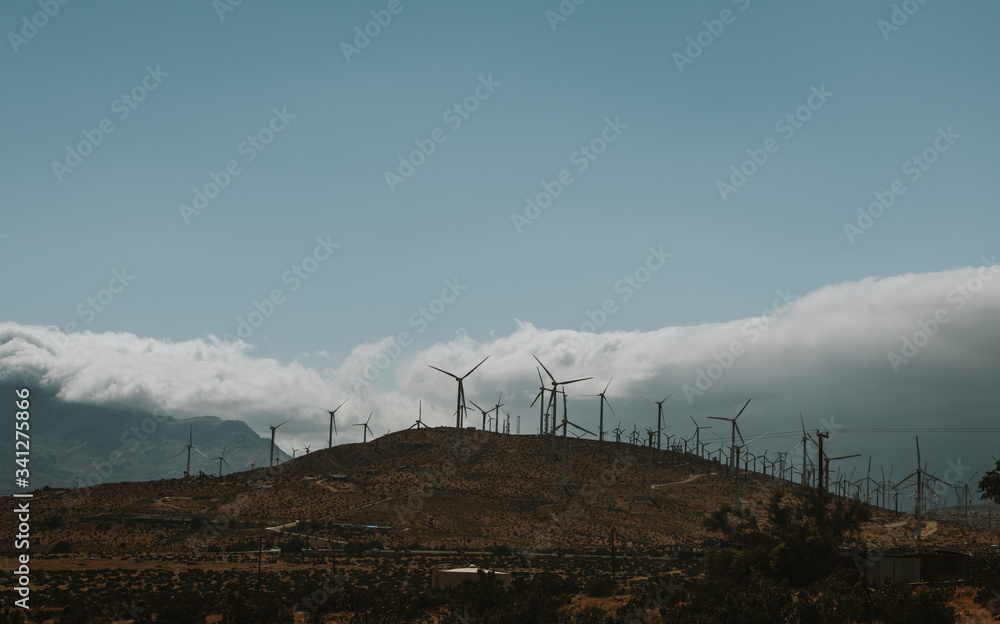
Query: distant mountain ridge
[[70, 441]]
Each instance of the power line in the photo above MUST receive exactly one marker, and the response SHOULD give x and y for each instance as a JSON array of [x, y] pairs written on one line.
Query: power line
[[788, 434]]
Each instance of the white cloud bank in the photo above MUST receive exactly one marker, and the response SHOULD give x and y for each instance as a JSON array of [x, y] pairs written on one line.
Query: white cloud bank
[[912, 350]]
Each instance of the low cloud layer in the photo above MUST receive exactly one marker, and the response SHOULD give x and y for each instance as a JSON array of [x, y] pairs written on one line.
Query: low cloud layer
[[911, 351]]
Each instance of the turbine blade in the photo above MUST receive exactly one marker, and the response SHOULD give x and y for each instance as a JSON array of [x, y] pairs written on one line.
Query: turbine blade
[[609, 384], [475, 367], [743, 408], [536, 398], [445, 372], [546, 370], [565, 383]]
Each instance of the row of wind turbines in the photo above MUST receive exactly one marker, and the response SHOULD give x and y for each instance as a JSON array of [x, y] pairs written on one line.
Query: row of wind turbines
[[781, 466]]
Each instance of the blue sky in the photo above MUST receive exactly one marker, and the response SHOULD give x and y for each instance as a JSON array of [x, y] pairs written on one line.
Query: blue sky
[[554, 88], [325, 174]]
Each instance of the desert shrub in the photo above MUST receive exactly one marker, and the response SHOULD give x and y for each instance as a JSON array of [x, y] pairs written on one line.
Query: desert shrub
[[599, 586], [61, 548], [501, 550], [589, 615]]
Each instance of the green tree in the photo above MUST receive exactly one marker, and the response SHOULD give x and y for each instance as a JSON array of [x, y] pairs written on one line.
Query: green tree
[[989, 484]]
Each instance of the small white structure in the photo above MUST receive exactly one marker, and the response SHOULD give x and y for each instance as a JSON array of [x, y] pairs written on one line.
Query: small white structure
[[449, 578]]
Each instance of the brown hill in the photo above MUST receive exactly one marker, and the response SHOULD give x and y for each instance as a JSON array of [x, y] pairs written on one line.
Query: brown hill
[[410, 489]]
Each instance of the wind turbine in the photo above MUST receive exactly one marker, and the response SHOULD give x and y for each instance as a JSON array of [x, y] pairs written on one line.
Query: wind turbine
[[918, 493], [366, 429], [735, 453], [253, 464], [190, 445], [618, 431], [564, 424], [736, 429], [483, 412], [222, 458], [273, 428], [497, 406], [294, 451], [966, 498], [805, 448], [827, 468], [420, 414], [659, 420], [553, 402], [697, 435], [541, 406], [649, 469], [333, 421], [604, 399], [460, 400]]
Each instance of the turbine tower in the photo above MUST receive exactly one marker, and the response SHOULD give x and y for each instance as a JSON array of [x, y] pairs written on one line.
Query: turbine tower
[[273, 428], [366, 429], [736, 430], [541, 406], [918, 494], [460, 400], [659, 419], [483, 412], [222, 458], [604, 399], [190, 445], [333, 422], [649, 469], [564, 424], [420, 415], [553, 392], [497, 406]]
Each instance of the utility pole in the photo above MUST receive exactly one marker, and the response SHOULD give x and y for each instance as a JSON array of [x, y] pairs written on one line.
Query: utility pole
[[260, 553], [821, 478], [736, 450], [614, 559], [649, 471]]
